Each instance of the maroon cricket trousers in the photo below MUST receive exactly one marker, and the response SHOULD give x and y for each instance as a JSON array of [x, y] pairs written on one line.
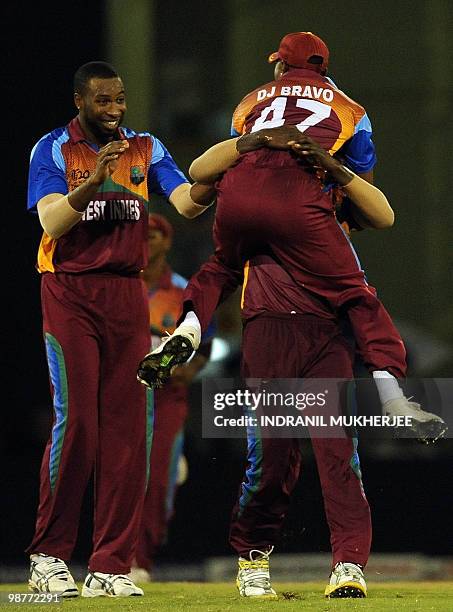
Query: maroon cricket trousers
[[170, 412], [96, 332], [299, 346]]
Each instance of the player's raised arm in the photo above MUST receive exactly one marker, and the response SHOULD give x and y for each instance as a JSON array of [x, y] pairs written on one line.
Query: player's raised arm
[[209, 166], [192, 200], [58, 213], [371, 207]]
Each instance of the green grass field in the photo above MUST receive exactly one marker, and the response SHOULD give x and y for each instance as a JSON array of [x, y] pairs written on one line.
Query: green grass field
[[215, 597]]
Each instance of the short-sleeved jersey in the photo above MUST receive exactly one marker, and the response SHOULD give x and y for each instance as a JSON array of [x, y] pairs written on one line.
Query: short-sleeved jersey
[[318, 108], [112, 234], [165, 307]]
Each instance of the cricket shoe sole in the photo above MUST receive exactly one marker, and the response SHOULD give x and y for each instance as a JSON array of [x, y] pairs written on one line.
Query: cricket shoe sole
[[156, 367]]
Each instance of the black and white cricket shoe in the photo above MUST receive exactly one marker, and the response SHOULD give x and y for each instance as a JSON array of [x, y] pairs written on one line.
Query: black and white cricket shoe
[[425, 426], [51, 575], [98, 584], [156, 367]]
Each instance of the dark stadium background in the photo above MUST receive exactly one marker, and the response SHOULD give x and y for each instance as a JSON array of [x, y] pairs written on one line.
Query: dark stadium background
[[395, 58]]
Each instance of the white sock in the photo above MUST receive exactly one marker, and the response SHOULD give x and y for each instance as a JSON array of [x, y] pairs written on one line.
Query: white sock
[[387, 386], [192, 319]]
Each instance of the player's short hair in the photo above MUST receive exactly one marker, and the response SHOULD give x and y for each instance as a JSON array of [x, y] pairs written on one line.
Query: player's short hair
[[92, 70]]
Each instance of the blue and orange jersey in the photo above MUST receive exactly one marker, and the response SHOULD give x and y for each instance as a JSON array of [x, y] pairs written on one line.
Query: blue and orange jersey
[[165, 307], [317, 107], [112, 234]]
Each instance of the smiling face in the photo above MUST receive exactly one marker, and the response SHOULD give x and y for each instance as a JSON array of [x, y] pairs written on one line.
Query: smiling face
[[102, 106]]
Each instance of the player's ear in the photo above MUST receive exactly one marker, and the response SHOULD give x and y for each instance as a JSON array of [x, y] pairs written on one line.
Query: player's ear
[[280, 68], [77, 100]]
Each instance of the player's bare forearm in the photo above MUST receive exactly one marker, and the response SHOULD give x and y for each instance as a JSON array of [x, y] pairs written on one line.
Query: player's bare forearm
[[208, 167], [192, 200], [59, 213], [371, 207]]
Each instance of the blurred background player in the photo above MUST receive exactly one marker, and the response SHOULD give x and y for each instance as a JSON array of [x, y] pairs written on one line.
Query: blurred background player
[[90, 183], [168, 466]]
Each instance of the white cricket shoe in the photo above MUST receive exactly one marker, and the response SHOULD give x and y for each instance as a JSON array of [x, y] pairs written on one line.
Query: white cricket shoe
[[98, 584], [51, 575], [426, 426], [346, 580], [253, 579], [155, 368]]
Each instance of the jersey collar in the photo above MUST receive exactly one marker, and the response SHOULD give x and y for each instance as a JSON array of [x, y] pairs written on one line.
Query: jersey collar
[[77, 134]]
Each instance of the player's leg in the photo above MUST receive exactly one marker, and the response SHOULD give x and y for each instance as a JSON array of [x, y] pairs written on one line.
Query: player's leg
[[170, 410], [273, 463], [383, 352], [346, 506], [125, 431], [155, 368], [73, 359], [206, 289]]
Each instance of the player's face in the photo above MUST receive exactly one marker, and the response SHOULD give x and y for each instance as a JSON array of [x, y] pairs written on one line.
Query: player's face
[[102, 108], [158, 244]]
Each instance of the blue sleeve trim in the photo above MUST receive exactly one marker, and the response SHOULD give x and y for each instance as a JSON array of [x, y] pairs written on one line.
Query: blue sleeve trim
[[47, 173], [163, 174], [364, 124], [158, 150], [359, 152]]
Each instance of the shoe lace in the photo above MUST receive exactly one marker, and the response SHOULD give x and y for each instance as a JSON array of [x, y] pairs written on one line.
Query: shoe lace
[[351, 569], [255, 570], [55, 567], [121, 578]]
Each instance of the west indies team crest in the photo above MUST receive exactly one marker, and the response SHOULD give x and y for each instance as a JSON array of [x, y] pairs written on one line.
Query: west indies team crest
[[137, 174]]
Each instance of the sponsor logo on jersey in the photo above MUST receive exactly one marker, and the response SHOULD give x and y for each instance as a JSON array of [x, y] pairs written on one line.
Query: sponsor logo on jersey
[[77, 177]]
